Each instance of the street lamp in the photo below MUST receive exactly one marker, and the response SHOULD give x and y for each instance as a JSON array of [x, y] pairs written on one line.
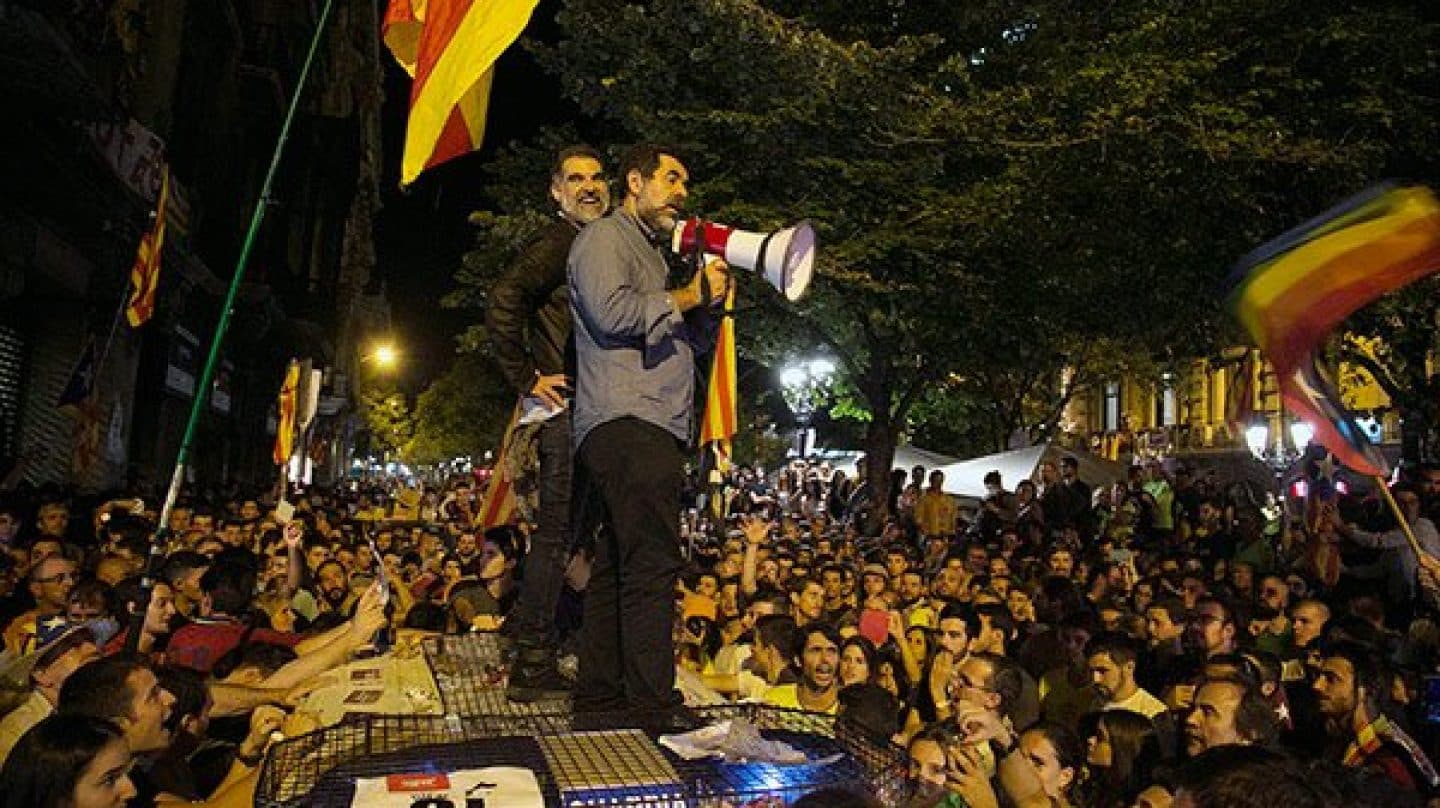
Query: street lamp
[[803, 383], [1278, 455], [385, 355]]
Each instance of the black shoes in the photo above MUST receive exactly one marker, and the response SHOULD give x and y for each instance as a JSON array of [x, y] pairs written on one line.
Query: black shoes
[[534, 676]]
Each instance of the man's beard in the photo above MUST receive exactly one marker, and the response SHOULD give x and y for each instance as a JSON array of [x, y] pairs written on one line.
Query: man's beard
[[334, 597], [663, 218]]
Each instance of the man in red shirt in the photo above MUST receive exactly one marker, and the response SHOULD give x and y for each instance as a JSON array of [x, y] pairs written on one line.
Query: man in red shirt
[[227, 591]]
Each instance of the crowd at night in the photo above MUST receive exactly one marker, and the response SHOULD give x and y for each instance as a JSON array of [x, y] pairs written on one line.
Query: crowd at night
[[1164, 639], [720, 403]]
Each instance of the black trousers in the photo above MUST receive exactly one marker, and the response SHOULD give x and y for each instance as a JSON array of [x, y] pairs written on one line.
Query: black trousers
[[550, 544], [627, 653]]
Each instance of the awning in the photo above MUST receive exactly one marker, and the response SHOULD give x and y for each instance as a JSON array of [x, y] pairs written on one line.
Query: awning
[[966, 478]]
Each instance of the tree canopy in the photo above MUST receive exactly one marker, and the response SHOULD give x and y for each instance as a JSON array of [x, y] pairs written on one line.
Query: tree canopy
[[1002, 191]]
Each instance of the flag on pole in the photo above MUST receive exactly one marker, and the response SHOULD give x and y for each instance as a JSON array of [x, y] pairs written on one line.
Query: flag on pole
[[285, 428], [498, 506], [1291, 292], [718, 424], [82, 377], [449, 47], [1240, 393], [1322, 551], [145, 272], [86, 445]]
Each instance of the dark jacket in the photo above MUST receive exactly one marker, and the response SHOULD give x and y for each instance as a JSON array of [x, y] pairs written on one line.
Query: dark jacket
[[528, 310]]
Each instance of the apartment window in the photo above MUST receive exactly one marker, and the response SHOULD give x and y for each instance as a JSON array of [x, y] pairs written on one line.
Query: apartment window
[[1168, 408]]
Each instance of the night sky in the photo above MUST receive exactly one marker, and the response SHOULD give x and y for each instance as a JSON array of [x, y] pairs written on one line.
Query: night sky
[[421, 233]]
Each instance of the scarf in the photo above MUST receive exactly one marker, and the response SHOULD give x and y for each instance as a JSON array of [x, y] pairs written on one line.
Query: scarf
[[1374, 733]]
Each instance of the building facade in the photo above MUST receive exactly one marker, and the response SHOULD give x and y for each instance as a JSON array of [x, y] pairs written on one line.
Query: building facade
[[111, 94], [1200, 413]]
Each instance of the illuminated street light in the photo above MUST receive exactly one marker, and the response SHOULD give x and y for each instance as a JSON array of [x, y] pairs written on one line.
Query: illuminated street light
[[802, 383], [386, 355], [1278, 455], [794, 377]]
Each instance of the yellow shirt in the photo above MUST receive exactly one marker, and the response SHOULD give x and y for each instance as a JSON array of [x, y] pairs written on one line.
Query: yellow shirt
[[788, 696], [1140, 702], [31, 711], [935, 512]]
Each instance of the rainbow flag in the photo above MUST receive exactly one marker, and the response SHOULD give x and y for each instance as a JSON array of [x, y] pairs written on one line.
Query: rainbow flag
[[718, 424], [1293, 291], [449, 47]]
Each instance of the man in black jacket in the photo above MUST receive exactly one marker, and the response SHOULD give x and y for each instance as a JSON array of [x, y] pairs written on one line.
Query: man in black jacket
[[528, 318]]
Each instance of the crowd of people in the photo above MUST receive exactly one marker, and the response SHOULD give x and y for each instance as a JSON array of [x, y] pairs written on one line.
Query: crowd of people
[[1132, 643], [1154, 641], [106, 701]]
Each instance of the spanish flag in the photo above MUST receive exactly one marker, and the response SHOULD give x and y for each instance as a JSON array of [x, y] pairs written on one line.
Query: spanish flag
[[285, 429], [145, 272], [449, 47], [717, 426], [1290, 293]]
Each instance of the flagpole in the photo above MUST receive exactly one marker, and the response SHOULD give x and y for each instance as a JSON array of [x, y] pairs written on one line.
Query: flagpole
[[182, 459], [114, 326]]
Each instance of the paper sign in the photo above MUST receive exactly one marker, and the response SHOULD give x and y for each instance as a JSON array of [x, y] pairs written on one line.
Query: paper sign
[[496, 786]]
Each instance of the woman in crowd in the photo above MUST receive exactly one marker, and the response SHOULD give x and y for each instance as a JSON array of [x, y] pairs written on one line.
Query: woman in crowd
[[857, 661], [1122, 751], [68, 762], [1058, 760]]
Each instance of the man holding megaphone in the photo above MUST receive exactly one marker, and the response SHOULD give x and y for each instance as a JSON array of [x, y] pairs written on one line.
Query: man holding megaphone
[[635, 343]]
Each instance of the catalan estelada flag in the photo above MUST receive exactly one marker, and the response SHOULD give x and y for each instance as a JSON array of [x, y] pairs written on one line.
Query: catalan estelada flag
[[718, 424], [145, 272], [1240, 392], [1290, 293], [449, 47], [1322, 549], [285, 428], [81, 382]]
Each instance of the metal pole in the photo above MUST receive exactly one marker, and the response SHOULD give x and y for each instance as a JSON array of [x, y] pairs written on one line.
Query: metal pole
[[177, 479]]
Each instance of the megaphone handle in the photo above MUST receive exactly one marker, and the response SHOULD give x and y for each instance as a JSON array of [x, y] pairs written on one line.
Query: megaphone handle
[[698, 253]]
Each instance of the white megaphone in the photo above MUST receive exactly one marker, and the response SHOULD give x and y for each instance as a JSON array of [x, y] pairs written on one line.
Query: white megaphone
[[786, 258]]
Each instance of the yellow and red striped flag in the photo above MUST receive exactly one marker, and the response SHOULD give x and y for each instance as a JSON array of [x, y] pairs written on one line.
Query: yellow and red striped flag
[[449, 47], [145, 272], [718, 424], [498, 506], [1293, 291], [285, 429]]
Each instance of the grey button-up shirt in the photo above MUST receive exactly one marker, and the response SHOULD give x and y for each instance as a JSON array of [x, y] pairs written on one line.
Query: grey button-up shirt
[[635, 353]]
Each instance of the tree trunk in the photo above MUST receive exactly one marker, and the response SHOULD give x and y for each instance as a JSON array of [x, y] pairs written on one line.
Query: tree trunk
[[879, 460]]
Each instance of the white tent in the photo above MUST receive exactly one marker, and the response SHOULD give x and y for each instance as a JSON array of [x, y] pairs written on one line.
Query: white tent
[[966, 478], [906, 457]]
